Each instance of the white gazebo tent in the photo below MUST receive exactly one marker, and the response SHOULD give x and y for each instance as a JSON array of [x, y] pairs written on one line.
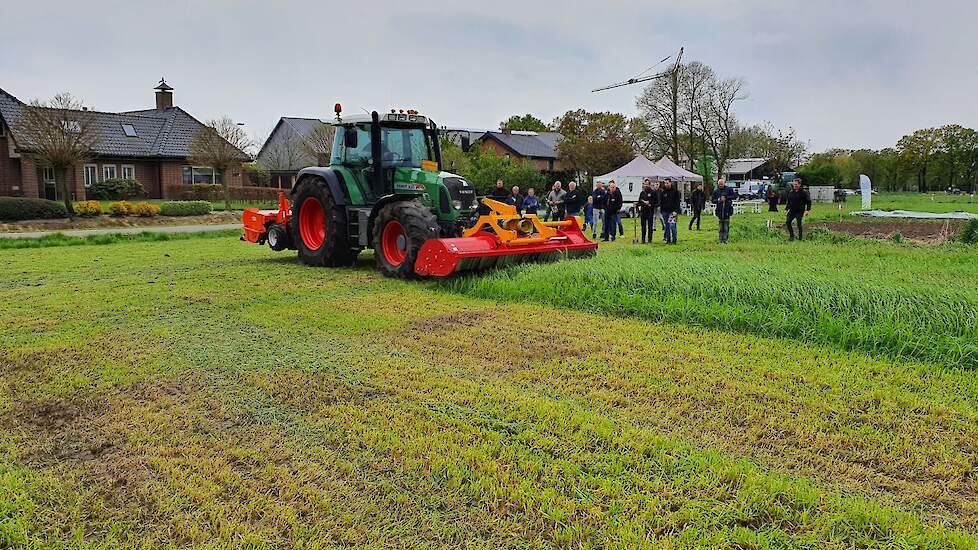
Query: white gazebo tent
[[683, 177], [630, 176]]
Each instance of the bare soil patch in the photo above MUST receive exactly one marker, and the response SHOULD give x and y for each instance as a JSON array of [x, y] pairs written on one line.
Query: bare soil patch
[[928, 231]]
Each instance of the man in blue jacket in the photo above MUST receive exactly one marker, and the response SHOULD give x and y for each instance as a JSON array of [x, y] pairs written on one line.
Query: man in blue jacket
[[723, 198]]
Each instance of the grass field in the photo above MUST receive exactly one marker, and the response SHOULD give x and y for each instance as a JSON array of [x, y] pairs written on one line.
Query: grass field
[[209, 392]]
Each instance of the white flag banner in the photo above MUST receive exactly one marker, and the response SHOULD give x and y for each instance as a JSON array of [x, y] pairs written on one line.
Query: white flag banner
[[866, 187]]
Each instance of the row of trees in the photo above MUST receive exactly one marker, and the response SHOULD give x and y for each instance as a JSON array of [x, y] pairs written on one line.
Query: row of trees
[[925, 160]]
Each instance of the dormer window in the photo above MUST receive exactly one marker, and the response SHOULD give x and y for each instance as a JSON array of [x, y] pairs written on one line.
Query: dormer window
[[130, 130]]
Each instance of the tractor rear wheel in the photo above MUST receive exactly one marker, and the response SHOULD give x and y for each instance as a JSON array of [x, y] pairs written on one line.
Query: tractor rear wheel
[[398, 233], [319, 226]]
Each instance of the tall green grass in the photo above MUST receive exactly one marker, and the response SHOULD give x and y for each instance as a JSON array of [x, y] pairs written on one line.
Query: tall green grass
[[765, 296]]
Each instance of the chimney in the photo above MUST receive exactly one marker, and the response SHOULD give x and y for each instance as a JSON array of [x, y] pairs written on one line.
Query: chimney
[[164, 96]]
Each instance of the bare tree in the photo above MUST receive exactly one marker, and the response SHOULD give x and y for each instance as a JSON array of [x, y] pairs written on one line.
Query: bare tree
[[283, 154], [59, 134], [717, 122], [221, 145], [319, 143], [662, 110], [693, 86]]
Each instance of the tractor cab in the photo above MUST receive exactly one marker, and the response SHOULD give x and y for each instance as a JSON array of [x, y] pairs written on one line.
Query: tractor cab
[[380, 152]]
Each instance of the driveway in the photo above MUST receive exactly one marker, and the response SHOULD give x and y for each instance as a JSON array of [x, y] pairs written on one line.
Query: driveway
[[122, 231]]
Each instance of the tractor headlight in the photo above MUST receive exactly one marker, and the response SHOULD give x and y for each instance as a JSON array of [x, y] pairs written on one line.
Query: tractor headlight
[[457, 205]]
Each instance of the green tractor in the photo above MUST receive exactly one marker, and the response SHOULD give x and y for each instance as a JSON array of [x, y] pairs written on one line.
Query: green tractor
[[383, 190]]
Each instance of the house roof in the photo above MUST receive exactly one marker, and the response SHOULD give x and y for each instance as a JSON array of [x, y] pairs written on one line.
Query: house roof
[[743, 166], [303, 127], [159, 133], [528, 144]]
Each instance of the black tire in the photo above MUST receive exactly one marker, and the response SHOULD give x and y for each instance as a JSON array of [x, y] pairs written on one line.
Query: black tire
[[334, 251], [418, 223], [278, 237]]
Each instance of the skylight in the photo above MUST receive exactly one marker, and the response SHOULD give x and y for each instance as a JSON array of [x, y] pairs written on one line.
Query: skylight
[[129, 129]]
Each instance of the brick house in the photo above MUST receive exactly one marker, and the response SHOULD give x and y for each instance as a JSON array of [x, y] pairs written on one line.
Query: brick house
[[150, 146], [539, 148]]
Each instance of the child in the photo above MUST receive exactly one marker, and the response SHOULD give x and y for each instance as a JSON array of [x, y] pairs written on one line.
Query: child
[[589, 214], [530, 202]]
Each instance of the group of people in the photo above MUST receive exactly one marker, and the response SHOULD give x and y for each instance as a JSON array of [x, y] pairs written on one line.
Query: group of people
[[656, 202]]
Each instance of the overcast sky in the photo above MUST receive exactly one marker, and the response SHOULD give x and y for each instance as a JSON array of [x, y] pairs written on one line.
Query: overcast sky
[[856, 73]]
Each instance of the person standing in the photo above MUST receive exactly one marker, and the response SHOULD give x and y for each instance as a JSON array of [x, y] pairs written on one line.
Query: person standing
[[797, 204], [723, 198], [589, 215], [697, 202], [555, 200], [599, 198], [499, 192], [669, 209], [772, 199], [515, 199], [612, 208], [531, 202], [573, 200], [647, 201]]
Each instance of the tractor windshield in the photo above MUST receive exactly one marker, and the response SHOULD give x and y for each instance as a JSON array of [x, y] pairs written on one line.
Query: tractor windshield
[[405, 146]]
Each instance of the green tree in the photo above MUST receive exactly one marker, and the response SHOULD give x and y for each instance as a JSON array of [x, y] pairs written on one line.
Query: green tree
[[485, 167], [527, 122], [917, 153], [594, 143]]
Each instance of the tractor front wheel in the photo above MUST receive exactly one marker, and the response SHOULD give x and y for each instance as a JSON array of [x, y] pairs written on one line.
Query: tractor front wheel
[[319, 226], [399, 231]]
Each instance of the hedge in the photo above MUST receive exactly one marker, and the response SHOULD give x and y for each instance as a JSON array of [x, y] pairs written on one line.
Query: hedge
[[214, 192], [20, 208], [88, 208], [185, 208], [116, 189]]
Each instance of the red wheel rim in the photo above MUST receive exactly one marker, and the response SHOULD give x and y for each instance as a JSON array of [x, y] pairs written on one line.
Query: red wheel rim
[[394, 240], [312, 223]]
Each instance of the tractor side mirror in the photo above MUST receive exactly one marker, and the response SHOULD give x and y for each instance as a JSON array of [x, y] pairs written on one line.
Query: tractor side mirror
[[466, 145], [350, 138]]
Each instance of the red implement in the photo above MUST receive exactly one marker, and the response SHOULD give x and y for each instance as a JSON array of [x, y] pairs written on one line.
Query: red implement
[[504, 238], [256, 222]]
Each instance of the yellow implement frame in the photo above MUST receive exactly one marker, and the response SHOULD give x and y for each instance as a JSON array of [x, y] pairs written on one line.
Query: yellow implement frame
[[514, 229]]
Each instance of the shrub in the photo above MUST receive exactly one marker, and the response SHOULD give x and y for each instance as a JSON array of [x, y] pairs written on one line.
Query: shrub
[[215, 192], [257, 174], [145, 209], [970, 233], [88, 208], [185, 208], [117, 189], [120, 208], [19, 208]]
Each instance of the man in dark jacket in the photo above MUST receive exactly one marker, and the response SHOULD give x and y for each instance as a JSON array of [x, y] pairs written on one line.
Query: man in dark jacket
[[573, 200], [723, 198], [669, 209], [499, 192], [647, 201], [612, 207], [599, 199], [797, 204], [697, 201], [516, 199]]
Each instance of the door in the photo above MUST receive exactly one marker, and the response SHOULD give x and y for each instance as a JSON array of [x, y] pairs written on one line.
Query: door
[[50, 184]]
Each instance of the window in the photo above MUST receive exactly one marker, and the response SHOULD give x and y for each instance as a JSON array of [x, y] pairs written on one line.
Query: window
[[201, 175], [47, 174], [128, 172], [406, 147], [129, 129], [72, 126], [91, 174], [108, 172]]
